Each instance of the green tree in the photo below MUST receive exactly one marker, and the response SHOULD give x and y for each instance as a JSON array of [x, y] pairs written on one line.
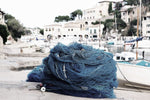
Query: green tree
[[62, 18], [108, 25], [121, 24], [110, 8], [131, 31], [4, 33], [133, 22], [75, 13], [146, 2], [117, 13], [118, 6], [95, 23], [14, 27], [8, 17], [132, 2]]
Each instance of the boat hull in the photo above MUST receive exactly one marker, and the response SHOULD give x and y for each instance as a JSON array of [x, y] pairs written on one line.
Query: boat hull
[[133, 74]]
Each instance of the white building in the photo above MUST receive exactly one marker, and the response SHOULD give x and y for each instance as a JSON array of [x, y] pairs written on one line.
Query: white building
[[146, 25], [54, 30], [128, 13], [99, 11], [2, 19], [81, 28]]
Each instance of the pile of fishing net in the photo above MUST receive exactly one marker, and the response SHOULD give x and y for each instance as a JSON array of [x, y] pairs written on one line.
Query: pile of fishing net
[[77, 70]]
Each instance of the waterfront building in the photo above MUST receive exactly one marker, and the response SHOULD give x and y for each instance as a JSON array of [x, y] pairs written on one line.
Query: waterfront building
[[146, 25], [82, 28], [54, 30]]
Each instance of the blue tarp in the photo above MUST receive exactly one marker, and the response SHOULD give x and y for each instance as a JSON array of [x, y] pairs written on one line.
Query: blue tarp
[[77, 70], [137, 39], [144, 63]]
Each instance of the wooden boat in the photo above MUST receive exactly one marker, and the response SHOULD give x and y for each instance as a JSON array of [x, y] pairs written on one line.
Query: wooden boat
[[133, 74]]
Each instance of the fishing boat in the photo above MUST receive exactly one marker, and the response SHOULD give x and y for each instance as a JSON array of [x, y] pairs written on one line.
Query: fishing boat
[[136, 73], [133, 74]]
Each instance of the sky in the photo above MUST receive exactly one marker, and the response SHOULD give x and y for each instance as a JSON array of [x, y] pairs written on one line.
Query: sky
[[38, 13]]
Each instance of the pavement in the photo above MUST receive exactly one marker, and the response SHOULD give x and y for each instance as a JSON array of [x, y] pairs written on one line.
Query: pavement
[[27, 91], [14, 69]]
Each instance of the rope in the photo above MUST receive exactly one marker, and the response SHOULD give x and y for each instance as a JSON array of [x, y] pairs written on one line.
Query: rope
[[127, 79]]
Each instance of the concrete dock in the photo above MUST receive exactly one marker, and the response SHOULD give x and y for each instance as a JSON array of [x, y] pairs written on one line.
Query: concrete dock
[[13, 85], [27, 91]]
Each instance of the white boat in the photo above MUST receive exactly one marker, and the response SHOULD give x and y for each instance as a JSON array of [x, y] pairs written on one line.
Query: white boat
[[129, 71], [133, 74]]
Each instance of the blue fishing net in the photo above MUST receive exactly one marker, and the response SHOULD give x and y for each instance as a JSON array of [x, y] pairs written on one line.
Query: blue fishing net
[[77, 70]]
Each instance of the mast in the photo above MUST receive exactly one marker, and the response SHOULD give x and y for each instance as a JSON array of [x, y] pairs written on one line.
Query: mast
[[140, 18], [138, 28], [137, 32]]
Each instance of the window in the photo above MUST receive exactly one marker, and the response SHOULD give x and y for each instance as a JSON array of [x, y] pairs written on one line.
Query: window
[[148, 25], [94, 30], [59, 36], [80, 26], [52, 29], [118, 57], [86, 23], [148, 31], [133, 12], [71, 29], [86, 36], [128, 20], [122, 58], [80, 36], [91, 31], [68, 29], [131, 58], [94, 36]]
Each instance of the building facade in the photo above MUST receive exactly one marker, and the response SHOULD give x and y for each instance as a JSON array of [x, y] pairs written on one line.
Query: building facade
[[146, 25], [81, 28], [129, 13]]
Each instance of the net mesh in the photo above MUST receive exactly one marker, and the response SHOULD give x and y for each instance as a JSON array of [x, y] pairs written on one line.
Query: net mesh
[[77, 70]]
